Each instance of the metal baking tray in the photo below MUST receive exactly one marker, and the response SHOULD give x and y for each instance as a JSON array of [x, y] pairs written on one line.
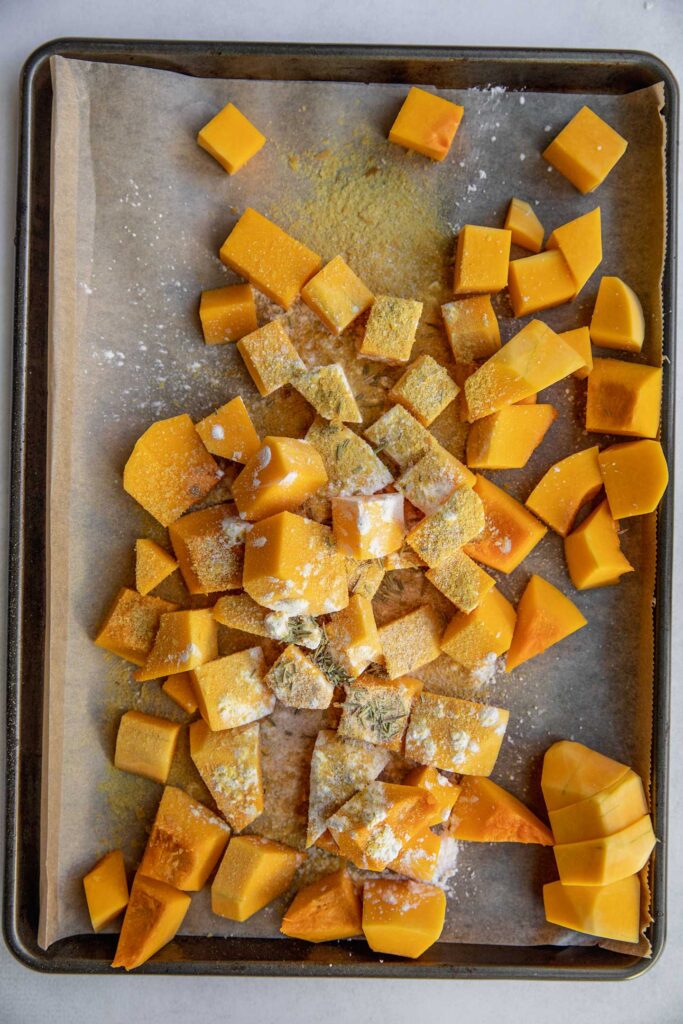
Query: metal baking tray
[[447, 67]]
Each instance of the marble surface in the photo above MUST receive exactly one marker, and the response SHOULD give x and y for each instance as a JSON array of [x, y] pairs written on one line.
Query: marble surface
[[650, 25]]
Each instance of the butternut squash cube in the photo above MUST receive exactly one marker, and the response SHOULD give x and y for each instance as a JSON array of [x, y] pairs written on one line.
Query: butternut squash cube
[[438, 537], [364, 578], [509, 533], [277, 264], [239, 611], [390, 330], [471, 328], [185, 640], [350, 463], [230, 138], [617, 320], [540, 282], [253, 872], [580, 341], [324, 911], [369, 526], [169, 469], [181, 690], [337, 295], [593, 552], [487, 813], [154, 914], [352, 637], [430, 481], [377, 710], [229, 763], [573, 772], [291, 565], [566, 486], [473, 638], [455, 735], [410, 641], [608, 811], [400, 436], [580, 242], [544, 617], [227, 314], [131, 625], [606, 859], [425, 389], [185, 843], [419, 858], [231, 691], [481, 259], [444, 791], [533, 359], [371, 828], [106, 890], [298, 682], [426, 123], [608, 911], [635, 475], [209, 546], [402, 918], [462, 581], [623, 398], [327, 389], [145, 745], [282, 474], [229, 432], [270, 357], [508, 438], [586, 150], [152, 565], [523, 224]]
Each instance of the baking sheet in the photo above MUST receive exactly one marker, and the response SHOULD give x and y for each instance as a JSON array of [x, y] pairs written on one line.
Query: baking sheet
[[138, 215]]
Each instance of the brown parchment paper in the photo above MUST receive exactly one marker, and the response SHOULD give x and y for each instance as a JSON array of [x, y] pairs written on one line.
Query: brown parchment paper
[[138, 214]]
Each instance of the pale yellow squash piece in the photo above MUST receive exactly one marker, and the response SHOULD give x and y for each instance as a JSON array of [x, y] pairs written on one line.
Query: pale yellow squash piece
[[586, 150], [540, 282], [617, 320], [229, 763], [608, 911], [508, 438], [152, 565], [455, 735], [525, 227], [580, 242], [106, 890], [337, 295], [253, 872], [606, 859], [566, 486], [231, 138], [185, 842], [635, 475], [402, 918], [145, 745], [481, 259], [185, 639], [231, 691]]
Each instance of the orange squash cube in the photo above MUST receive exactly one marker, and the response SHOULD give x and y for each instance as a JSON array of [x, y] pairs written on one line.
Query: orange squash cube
[[278, 478], [106, 890], [608, 911], [425, 389], [438, 537], [371, 828], [566, 486], [510, 532], [402, 918], [377, 710], [607, 859], [586, 150], [544, 617], [430, 481], [368, 526], [419, 858], [623, 398], [426, 123], [390, 330], [253, 872], [131, 625], [152, 565], [231, 691], [350, 463], [602, 814], [487, 813], [410, 641], [352, 637], [508, 438], [635, 475], [444, 791], [573, 772], [185, 843], [455, 735], [540, 282], [298, 682], [154, 914], [327, 389], [462, 581], [525, 227], [270, 357], [324, 911], [229, 763], [471, 328], [181, 690], [209, 546], [593, 552], [580, 242], [580, 340], [227, 314], [474, 638], [481, 259], [617, 320], [184, 640], [400, 436], [230, 138], [229, 432], [145, 745], [337, 295]]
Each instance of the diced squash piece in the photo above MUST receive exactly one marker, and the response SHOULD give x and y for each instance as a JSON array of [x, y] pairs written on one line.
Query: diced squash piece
[[145, 745], [106, 890], [390, 330], [181, 690], [231, 691], [566, 486], [327, 389], [510, 532], [152, 565], [337, 295], [603, 813], [608, 911], [339, 768], [426, 123], [239, 611], [544, 617], [573, 772], [227, 314], [352, 637], [302, 630], [324, 911], [586, 150], [474, 638], [402, 918], [277, 264], [369, 526], [580, 242], [442, 789], [438, 537], [580, 341], [253, 872], [372, 827], [425, 389], [326, 842], [508, 438], [525, 227], [169, 469], [540, 282], [593, 552], [471, 328], [377, 710], [229, 763], [410, 641], [185, 842], [419, 858], [487, 813], [184, 640], [209, 546], [400, 436], [270, 357], [291, 565], [455, 735], [606, 859], [230, 138], [635, 475], [462, 581], [154, 914], [623, 398], [131, 625], [533, 359], [430, 481], [364, 578], [229, 432], [617, 320], [350, 463], [481, 259], [298, 682], [282, 474]]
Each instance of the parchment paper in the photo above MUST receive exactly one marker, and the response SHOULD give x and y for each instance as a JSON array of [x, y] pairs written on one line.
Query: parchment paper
[[138, 214]]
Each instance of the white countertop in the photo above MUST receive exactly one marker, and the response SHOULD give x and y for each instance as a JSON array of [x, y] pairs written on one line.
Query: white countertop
[[650, 25]]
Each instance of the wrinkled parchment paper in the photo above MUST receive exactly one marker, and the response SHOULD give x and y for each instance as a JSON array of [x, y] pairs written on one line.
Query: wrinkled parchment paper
[[138, 214]]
